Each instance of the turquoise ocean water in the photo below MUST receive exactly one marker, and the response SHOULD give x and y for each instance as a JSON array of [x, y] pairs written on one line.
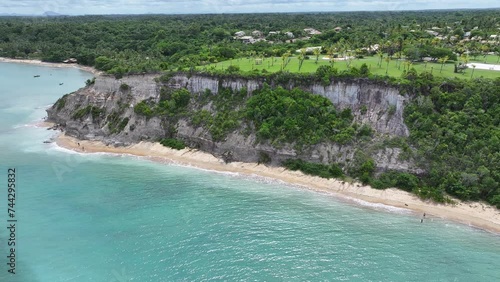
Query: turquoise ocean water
[[120, 218]]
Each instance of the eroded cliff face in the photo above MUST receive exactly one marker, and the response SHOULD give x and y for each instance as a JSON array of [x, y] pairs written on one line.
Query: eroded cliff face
[[384, 105], [113, 102]]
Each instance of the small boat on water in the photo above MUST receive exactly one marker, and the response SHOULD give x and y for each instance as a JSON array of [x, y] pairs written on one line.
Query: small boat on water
[[36, 75], [61, 83]]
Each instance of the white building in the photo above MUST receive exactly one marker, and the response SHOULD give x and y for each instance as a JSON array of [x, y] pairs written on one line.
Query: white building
[[247, 39], [432, 32], [256, 33], [309, 50], [312, 31], [239, 34]]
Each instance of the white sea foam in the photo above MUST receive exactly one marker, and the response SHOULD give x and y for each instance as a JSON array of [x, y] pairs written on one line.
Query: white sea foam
[[179, 164], [21, 126], [36, 123], [55, 147], [44, 107], [379, 206]]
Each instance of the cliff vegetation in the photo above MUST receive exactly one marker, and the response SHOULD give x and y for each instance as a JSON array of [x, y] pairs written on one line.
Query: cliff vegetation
[[431, 136]]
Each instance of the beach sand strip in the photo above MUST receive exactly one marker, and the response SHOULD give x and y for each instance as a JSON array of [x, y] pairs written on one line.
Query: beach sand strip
[[475, 214]]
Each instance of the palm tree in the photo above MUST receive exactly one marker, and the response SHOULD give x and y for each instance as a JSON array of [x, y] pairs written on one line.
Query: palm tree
[[435, 41], [302, 57], [407, 64], [398, 56], [388, 47], [275, 53], [285, 60], [474, 51], [380, 55], [317, 52], [401, 43], [347, 53], [485, 49], [443, 61], [331, 53], [465, 58], [387, 60], [421, 42]]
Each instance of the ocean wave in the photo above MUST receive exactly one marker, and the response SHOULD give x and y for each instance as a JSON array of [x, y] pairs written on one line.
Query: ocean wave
[[26, 125], [37, 123], [44, 107], [55, 147], [181, 164], [379, 206]]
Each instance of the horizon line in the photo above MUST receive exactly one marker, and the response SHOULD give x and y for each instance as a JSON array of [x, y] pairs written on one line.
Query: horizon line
[[57, 14]]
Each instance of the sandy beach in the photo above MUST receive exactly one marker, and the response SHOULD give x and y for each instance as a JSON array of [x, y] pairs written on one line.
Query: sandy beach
[[53, 65], [474, 214]]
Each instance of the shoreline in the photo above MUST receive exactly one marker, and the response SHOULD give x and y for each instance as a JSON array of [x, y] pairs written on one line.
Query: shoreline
[[474, 214], [54, 65]]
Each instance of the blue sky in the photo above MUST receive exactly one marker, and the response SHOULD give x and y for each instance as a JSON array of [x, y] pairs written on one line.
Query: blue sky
[[79, 7]]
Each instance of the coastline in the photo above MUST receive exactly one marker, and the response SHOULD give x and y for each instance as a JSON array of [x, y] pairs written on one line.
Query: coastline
[[473, 214], [54, 65]]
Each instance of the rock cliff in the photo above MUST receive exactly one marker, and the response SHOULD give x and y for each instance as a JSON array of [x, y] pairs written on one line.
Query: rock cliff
[[94, 112]]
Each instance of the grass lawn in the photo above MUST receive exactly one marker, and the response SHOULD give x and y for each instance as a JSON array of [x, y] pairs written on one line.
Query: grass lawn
[[489, 59], [395, 68]]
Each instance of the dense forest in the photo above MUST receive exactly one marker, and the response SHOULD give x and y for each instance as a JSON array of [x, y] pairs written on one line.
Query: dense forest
[[454, 123], [151, 43]]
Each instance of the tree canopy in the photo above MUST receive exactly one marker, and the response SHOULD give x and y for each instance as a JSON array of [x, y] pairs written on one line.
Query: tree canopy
[[152, 43]]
